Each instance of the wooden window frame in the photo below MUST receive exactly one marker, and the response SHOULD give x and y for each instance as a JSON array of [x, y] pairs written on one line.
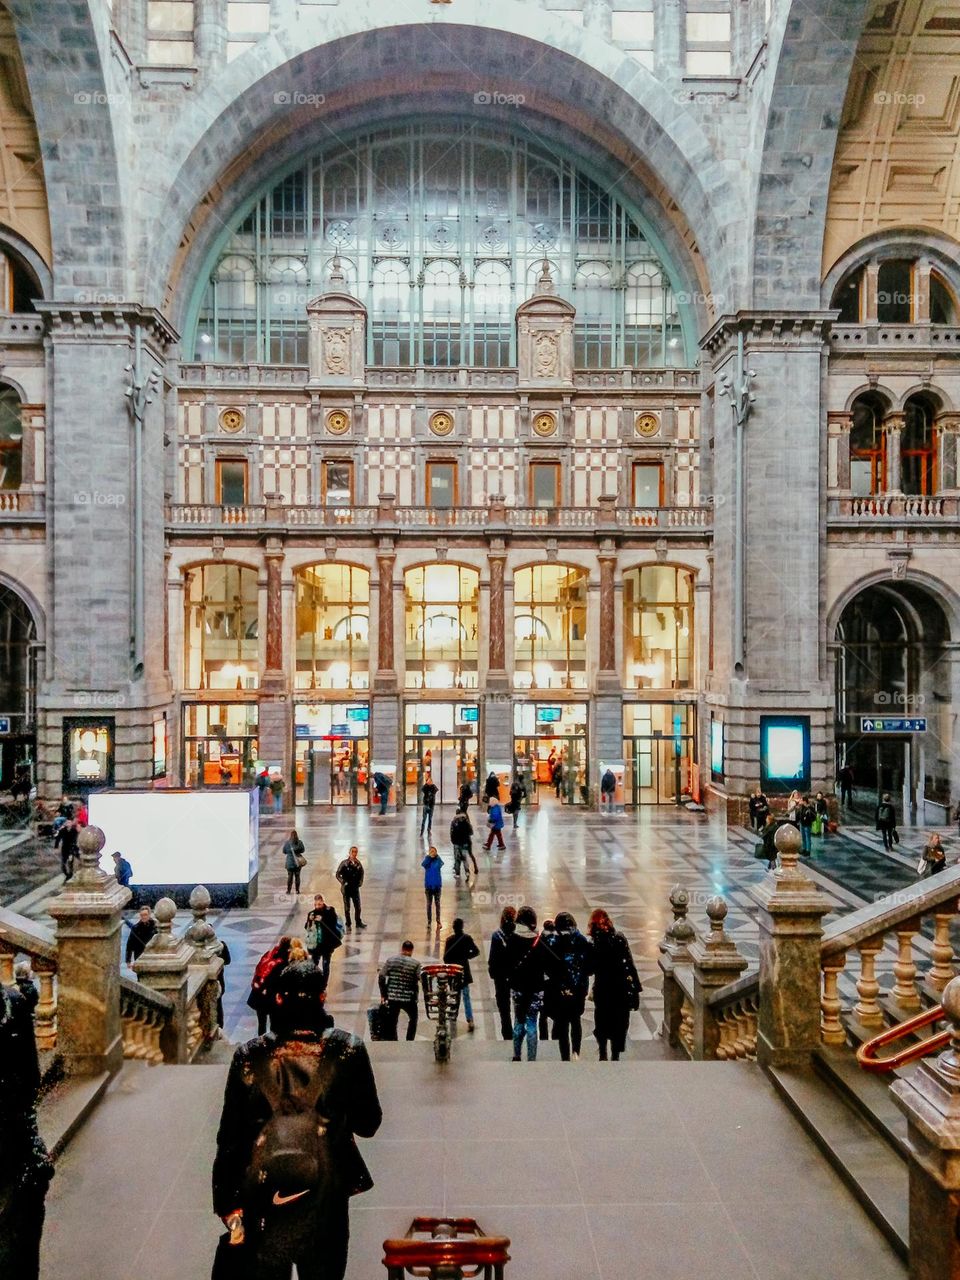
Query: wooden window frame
[[428, 485], [557, 484], [337, 462], [218, 478], [646, 462]]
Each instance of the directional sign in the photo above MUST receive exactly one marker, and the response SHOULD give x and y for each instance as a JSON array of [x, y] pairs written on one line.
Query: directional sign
[[887, 724], [4, 724]]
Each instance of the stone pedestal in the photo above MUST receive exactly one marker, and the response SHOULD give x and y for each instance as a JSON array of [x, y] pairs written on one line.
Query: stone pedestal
[[88, 916], [716, 963], [930, 1099], [162, 967], [791, 911]]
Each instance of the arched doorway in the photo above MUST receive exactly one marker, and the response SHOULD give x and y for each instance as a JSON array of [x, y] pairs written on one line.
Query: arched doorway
[[892, 684], [18, 686]]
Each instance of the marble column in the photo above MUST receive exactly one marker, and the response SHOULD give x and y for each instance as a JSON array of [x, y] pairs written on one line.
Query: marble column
[[386, 676], [893, 426], [273, 670], [275, 729], [88, 915], [385, 702], [843, 451], [607, 652], [947, 425], [791, 913], [498, 706], [210, 33], [930, 1099], [921, 292], [497, 660], [868, 298]]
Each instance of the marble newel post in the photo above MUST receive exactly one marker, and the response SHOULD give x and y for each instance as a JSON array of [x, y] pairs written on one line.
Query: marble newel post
[[716, 963], [88, 916], [791, 913], [930, 1098], [162, 966]]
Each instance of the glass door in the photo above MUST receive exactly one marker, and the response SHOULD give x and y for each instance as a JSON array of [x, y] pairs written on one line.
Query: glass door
[[659, 747], [447, 760], [553, 770], [332, 770]]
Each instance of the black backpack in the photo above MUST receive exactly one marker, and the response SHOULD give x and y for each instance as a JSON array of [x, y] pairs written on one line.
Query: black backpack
[[292, 1153]]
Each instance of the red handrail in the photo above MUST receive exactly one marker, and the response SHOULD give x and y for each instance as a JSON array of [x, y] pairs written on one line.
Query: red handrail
[[867, 1053]]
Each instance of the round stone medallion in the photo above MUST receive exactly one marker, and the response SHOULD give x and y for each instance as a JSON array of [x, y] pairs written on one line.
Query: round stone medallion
[[441, 423], [338, 421], [647, 424], [545, 424], [231, 420]]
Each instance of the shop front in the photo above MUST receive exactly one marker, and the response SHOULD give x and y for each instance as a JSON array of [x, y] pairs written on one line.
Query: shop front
[[550, 751], [219, 744], [659, 748], [441, 744], [332, 752]]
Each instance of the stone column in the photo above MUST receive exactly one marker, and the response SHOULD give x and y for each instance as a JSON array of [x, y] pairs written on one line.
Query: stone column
[[386, 676], [274, 641], [716, 963], [497, 704], [88, 917], [893, 427], [930, 1099], [947, 425], [210, 33], [843, 451], [868, 299], [607, 649], [668, 41], [497, 661], [596, 17], [791, 911], [385, 701], [274, 727], [162, 967], [921, 292]]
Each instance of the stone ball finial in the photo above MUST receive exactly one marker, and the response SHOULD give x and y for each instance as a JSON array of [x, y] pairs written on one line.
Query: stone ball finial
[[90, 841], [165, 910], [787, 840], [679, 898], [199, 898], [716, 912], [951, 1002]]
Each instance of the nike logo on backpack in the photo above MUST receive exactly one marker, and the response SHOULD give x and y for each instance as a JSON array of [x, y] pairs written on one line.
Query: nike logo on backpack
[[279, 1199]]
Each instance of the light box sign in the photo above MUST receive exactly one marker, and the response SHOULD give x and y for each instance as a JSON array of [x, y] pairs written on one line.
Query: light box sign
[[180, 837], [421, 729], [468, 715], [785, 752], [358, 713], [716, 749], [548, 715]]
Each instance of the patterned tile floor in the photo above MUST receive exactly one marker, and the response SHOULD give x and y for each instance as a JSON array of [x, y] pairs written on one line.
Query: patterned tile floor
[[558, 859]]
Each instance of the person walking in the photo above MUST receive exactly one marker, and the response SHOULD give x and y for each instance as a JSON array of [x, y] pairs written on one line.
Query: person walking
[[141, 931], [495, 823], [66, 839], [287, 1161], [461, 835], [293, 860], [846, 779], [886, 820], [770, 829], [518, 793], [26, 1168], [350, 878], [277, 785], [263, 985], [498, 968], [399, 983], [822, 809], [432, 883], [122, 870], [321, 933], [568, 996], [428, 794], [616, 985], [381, 787], [465, 796], [527, 959], [806, 815], [460, 949], [491, 788], [556, 777], [934, 856]]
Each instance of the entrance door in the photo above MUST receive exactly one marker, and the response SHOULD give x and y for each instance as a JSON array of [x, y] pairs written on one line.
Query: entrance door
[[332, 770], [535, 759], [447, 760], [214, 761], [880, 764], [658, 769]]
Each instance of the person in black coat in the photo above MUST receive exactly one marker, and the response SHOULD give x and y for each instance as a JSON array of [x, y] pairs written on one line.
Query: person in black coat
[[465, 796], [568, 994], [491, 788], [66, 840], [616, 985], [323, 918], [309, 1063], [460, 949], [887, 821], [498, 967], [141, 931], [25, 1167]]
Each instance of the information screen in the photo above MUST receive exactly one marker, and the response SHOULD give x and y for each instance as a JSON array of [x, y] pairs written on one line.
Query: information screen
[[785, 752], [548, 714], [716, 748], [180, 837]]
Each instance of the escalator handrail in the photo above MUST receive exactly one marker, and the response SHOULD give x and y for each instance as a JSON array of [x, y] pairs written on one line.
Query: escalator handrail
[[867, 1057]]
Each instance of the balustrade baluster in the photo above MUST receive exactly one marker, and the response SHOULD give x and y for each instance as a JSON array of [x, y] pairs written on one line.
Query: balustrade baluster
[[941, 950], [6, 968], [905, 970], [868, 988], [45, 1017], [831, 1028]]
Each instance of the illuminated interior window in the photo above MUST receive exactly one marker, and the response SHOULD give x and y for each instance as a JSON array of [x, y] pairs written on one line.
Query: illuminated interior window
[[221, 645], [550, 627], [440, 627], [658, 627], [333, 627]]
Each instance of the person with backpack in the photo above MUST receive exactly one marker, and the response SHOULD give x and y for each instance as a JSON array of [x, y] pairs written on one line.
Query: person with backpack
[[263, 984], [518, 793], [460, 949], [608, 790], [498, 968], [568, 994], [491, 788], [293, 860], [322, 933], [806, 816], [428, 794], [495, 823], [616, 985], [886, 819], [350, 878], [287, 1160], [277, 785], [530, 965], [432, 883], [461, 833]]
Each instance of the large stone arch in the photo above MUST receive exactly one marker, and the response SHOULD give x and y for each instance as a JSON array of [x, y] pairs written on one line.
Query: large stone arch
[[64, 45], [579, 91], [812, 49]]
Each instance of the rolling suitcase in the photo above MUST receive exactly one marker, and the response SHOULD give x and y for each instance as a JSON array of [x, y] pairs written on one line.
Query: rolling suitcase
[[377, 1020]]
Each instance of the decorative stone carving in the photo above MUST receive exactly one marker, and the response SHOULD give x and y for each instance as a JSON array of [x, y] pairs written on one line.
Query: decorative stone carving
[[337, 335], [546, 355], [647, 424], [545, 424], [441, 423], [337, 422], [336, 350], [545, 336], [231, 420]]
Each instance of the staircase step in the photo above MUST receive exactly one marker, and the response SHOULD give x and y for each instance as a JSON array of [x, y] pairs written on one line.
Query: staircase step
[[869, 1095], [66, 1106], [868, 1163]]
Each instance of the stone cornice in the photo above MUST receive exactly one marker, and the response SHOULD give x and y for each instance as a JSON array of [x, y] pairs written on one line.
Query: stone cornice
[[768, 329], [105, 321]]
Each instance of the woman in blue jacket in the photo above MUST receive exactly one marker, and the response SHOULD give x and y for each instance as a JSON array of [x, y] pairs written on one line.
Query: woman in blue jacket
[[432, 883]]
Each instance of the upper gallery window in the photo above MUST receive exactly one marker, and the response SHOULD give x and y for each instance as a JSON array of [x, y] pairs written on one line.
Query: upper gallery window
[[900, 297], [441, 232]]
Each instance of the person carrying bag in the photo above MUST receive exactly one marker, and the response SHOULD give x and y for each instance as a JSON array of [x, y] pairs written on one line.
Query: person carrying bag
[[293, 860]]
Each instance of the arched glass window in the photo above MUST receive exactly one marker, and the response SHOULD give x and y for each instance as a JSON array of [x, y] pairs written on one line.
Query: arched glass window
[[943, 304], [868, 447], [221, 646], [11, 439], [895, 299], [440, 626], [550, 627], [333, 627], [658, 627], [18, 676], [918, 447], [445, 230]]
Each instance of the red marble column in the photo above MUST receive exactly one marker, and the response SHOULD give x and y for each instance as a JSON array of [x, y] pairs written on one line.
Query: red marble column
[[608, 621], [385, 654], [498, 652], [274, 644]]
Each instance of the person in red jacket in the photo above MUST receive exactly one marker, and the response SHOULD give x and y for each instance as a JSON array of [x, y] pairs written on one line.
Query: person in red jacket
[[265, 977]]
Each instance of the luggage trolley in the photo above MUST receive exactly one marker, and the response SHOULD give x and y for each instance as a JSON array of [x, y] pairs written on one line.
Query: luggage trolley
[[441, 997], [446, 1249]]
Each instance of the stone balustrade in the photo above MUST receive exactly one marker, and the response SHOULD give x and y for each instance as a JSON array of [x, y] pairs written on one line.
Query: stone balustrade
[[885, 509], [30, 951]]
